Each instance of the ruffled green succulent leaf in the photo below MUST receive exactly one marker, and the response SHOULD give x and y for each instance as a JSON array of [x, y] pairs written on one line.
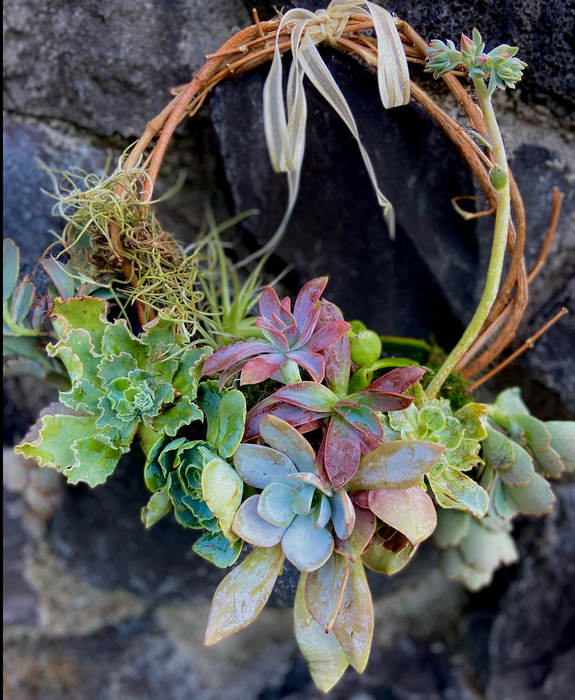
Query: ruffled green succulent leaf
[[232, 421], [353, 625], [260, 466], [465, 456], [287, 440], [399, 464], [160, 336], [240, 597], [563, 441], [326, 659], [324, 590], [182, 413], [453, 489], [486, 549], [473, 418], [222, 491], [432, 419], [534, 499], [118, 339], [411, 511], [187, 378], [217, 549], [521, 469], [69, 443], [353, 546], [160, 504], [382, 561], [78, 354], [10, 267], [88, 313], [510, 402], [498, 450], [304, 546], [452, 528]]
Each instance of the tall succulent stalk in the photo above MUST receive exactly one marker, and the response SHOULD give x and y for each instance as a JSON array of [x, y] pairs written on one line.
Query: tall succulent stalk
[[503, 70]]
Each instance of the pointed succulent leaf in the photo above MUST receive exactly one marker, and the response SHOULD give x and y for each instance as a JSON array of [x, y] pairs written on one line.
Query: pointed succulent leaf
[[160, 504], [308, 299], [276, 504], [232, 354], [453, 489], [322, 513], [309, 395], [312, 362], [410, 511], [342, 451], [304, 546], [293, 415], [353, 626], [398, 464], [327, 335], [452, 528], [379, 401], [398, 380], [534, 499], [563, 441], [260, 466], [217, 549], [258, 369], [287, 440], [353, 546], [241, 596], [342, 514], [325, 657], [362, 419], [324, 590], [22, 299], [382, 561], [303, 499], [222, 490], [252, 528], [337, 355], [61, 275]]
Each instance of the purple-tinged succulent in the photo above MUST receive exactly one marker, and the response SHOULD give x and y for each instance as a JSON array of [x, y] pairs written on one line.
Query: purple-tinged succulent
[[295, 507], [292, 339], [353, 426]]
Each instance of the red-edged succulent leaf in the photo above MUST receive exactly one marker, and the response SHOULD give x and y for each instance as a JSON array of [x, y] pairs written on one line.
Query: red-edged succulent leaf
[[369, 443], [308, 299], [275, 335], [324, 590], [327, 335], [342, 451], [397, 464], [308, 329], [410, 511], [354, 546], [269, 303], [231, 355], [314, 397], [258, 369], [282, 437], [292, 335], [337, 355], [240, 597], [353, 625], [312, 362], [286, 303], [294, 415], [363, 419], [342, 514], [379, 401], [398, 380]]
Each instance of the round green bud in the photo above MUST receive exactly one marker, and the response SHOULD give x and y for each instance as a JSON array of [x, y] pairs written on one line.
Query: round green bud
[[365, 348], [498, 177]]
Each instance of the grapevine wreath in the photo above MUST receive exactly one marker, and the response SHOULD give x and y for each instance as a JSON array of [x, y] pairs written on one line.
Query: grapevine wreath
[[290, 433]]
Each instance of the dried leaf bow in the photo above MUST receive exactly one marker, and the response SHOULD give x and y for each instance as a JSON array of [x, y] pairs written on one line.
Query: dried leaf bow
[[285, 119]]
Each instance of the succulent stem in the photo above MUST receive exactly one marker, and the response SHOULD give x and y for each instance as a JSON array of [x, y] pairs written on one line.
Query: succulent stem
[[502, 219], [290, 373]]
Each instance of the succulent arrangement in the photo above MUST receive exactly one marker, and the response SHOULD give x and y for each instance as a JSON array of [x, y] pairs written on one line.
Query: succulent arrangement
[[291, 437]]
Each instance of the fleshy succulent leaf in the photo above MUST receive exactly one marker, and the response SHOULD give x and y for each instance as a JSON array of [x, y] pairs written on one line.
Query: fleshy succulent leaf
[[287, 440], [410, 511], [222, 491], [383, 561], [160, 504], [240, 597], [354, 546], [252, 528], [217, 549], [260, 466], [342, 451], [304, 546], [324, 590]]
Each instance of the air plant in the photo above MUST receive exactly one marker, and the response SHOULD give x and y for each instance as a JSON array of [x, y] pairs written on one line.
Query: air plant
[[291, 340]]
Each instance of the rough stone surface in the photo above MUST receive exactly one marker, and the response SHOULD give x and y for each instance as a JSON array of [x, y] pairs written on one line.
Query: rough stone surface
[[97, 609]]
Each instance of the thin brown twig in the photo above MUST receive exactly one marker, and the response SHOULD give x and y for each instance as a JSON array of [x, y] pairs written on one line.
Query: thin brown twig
[[529, 343]]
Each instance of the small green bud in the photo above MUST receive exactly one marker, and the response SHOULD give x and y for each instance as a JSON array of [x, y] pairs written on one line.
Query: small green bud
[[356, 327], [498, 177], [365, 348]]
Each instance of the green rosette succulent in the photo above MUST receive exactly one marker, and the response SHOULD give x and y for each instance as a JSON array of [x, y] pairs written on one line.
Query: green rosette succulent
[[193, 479], [120, 384], [461, 432], [520, 454], [473, 548]]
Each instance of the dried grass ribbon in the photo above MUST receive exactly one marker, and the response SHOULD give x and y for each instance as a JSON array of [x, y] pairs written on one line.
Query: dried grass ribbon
[[285, 119]]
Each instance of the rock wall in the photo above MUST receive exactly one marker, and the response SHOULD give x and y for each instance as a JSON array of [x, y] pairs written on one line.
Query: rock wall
[[94, 608]]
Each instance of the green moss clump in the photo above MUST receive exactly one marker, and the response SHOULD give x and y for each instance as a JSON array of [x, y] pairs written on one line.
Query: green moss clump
[[455, 389], [255, 393]]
